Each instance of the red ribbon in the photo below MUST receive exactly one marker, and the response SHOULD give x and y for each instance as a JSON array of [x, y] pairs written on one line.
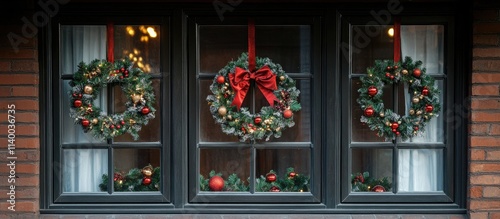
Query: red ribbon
[[111, 41], [251, 45], [264, 79], [397, 39]]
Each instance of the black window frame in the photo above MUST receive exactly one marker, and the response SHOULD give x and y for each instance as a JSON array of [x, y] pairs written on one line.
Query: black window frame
[[176, 122]]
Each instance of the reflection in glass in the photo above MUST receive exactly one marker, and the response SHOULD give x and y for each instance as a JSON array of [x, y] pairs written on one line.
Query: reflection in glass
[[82, 169], [139, 43], [229, 163], [131, 164], [375, 167], [370, 43], [420, 170], [227, 42]]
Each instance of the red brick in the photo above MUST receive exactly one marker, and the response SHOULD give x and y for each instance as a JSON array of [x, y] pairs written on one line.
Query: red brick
[[21, 54], [25, 91], [476, 192], [493, 155], [20, 104], [477, 154], [4, 66], [486, 40], [489, 15], [21, 168], [486, 77], [495, 215], [480, 129], [484, 167], [484, 205], [485, 90], [485, 103], [486, 65], [18, 79], [20, 193], [479, 215], [22, 155], [477, 52], [20, 130], [491, 191], [22, 206], [23, 180], [24, 66], [485, 179], [5, 91], [23, 117], [486, 28], [485, 116], [23, 143]]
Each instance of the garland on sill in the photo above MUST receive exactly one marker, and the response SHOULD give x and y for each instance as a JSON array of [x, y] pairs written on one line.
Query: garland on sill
[[86, 85], [271, 182], [424, 103], [362, 182], [145, 179]]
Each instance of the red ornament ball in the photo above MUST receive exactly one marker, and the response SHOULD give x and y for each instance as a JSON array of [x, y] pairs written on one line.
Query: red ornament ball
[[372, 91], [85, 122], [415, 128], [118, 127], [292, 174], [369, 112], [387, 74], [257, 120], [398, 133], [417, 73], [216, 183], [287, 114], [77, 103], [274, 189], [271, 177], [429, 108], [425, 91], [378, 188], [146, 181], [220, 79], [145, 110], [392, 77], [394, 125], [122, 122], [112, 126]]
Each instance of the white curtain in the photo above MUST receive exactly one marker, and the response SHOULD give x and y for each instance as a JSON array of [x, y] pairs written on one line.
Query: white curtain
[[422, 169], [82, 167]]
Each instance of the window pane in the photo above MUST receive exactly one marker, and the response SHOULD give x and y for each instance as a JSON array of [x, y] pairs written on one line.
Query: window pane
[[141, 44], [424, 43], [360, 132], [434, 130], [227, 42], [136, 169], [370, 43], [226, 162], [151, 131], [71, 132], [279, 161], [83, 169], [81, 43], [420, 170], [375, 167]]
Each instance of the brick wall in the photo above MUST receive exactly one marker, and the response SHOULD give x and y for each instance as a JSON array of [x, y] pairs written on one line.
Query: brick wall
[[19, 81], [484, 190]]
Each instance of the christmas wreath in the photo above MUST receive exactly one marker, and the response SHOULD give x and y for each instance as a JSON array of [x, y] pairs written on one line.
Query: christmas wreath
[[86, 85], [230, 87], [424, 104], [362, 182], [145, 179]]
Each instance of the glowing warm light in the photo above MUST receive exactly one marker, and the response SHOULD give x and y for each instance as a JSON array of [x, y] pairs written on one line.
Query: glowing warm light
[[152, 32], [391, 32], [140, 59], [130, 30], [143, 29], [130, 56], [140, 64], [144, 38], [135, 59], [136, 51]]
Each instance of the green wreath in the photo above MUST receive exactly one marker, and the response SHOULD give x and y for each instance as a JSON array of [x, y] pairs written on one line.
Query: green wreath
[[271, 120], [88, 82], [424, 105]]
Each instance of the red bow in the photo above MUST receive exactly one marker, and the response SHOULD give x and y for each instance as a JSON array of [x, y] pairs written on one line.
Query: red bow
[[264, 79]]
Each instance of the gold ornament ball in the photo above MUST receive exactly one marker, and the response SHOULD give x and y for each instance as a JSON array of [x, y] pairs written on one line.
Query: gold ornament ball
[[95, 121], [229, 117], [387, 123], [419, 112], [416, 100], [412, 112], [430, 114], [399, 122], [282, 78], [404, 71], [136, 98], [382, 114], [222, 110], [421, 97], [88, 89]]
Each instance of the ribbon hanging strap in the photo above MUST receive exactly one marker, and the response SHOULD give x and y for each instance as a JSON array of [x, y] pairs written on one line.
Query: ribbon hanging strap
[[264, 79]]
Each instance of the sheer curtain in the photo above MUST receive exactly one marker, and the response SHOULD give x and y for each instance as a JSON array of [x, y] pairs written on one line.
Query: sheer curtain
[[83, 166], [422, 169]]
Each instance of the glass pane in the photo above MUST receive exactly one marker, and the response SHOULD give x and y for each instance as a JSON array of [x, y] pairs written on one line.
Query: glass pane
[[232, 164], [283, 170], [289, 46], [71, 132], [81, 43], [301, 132], [228, 42], [420, 170], [141, 44], [83, 170], [151, 131], [360, 132], [434, 130], [371, 170], [370, 43], [136, 169], [424, 43]]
